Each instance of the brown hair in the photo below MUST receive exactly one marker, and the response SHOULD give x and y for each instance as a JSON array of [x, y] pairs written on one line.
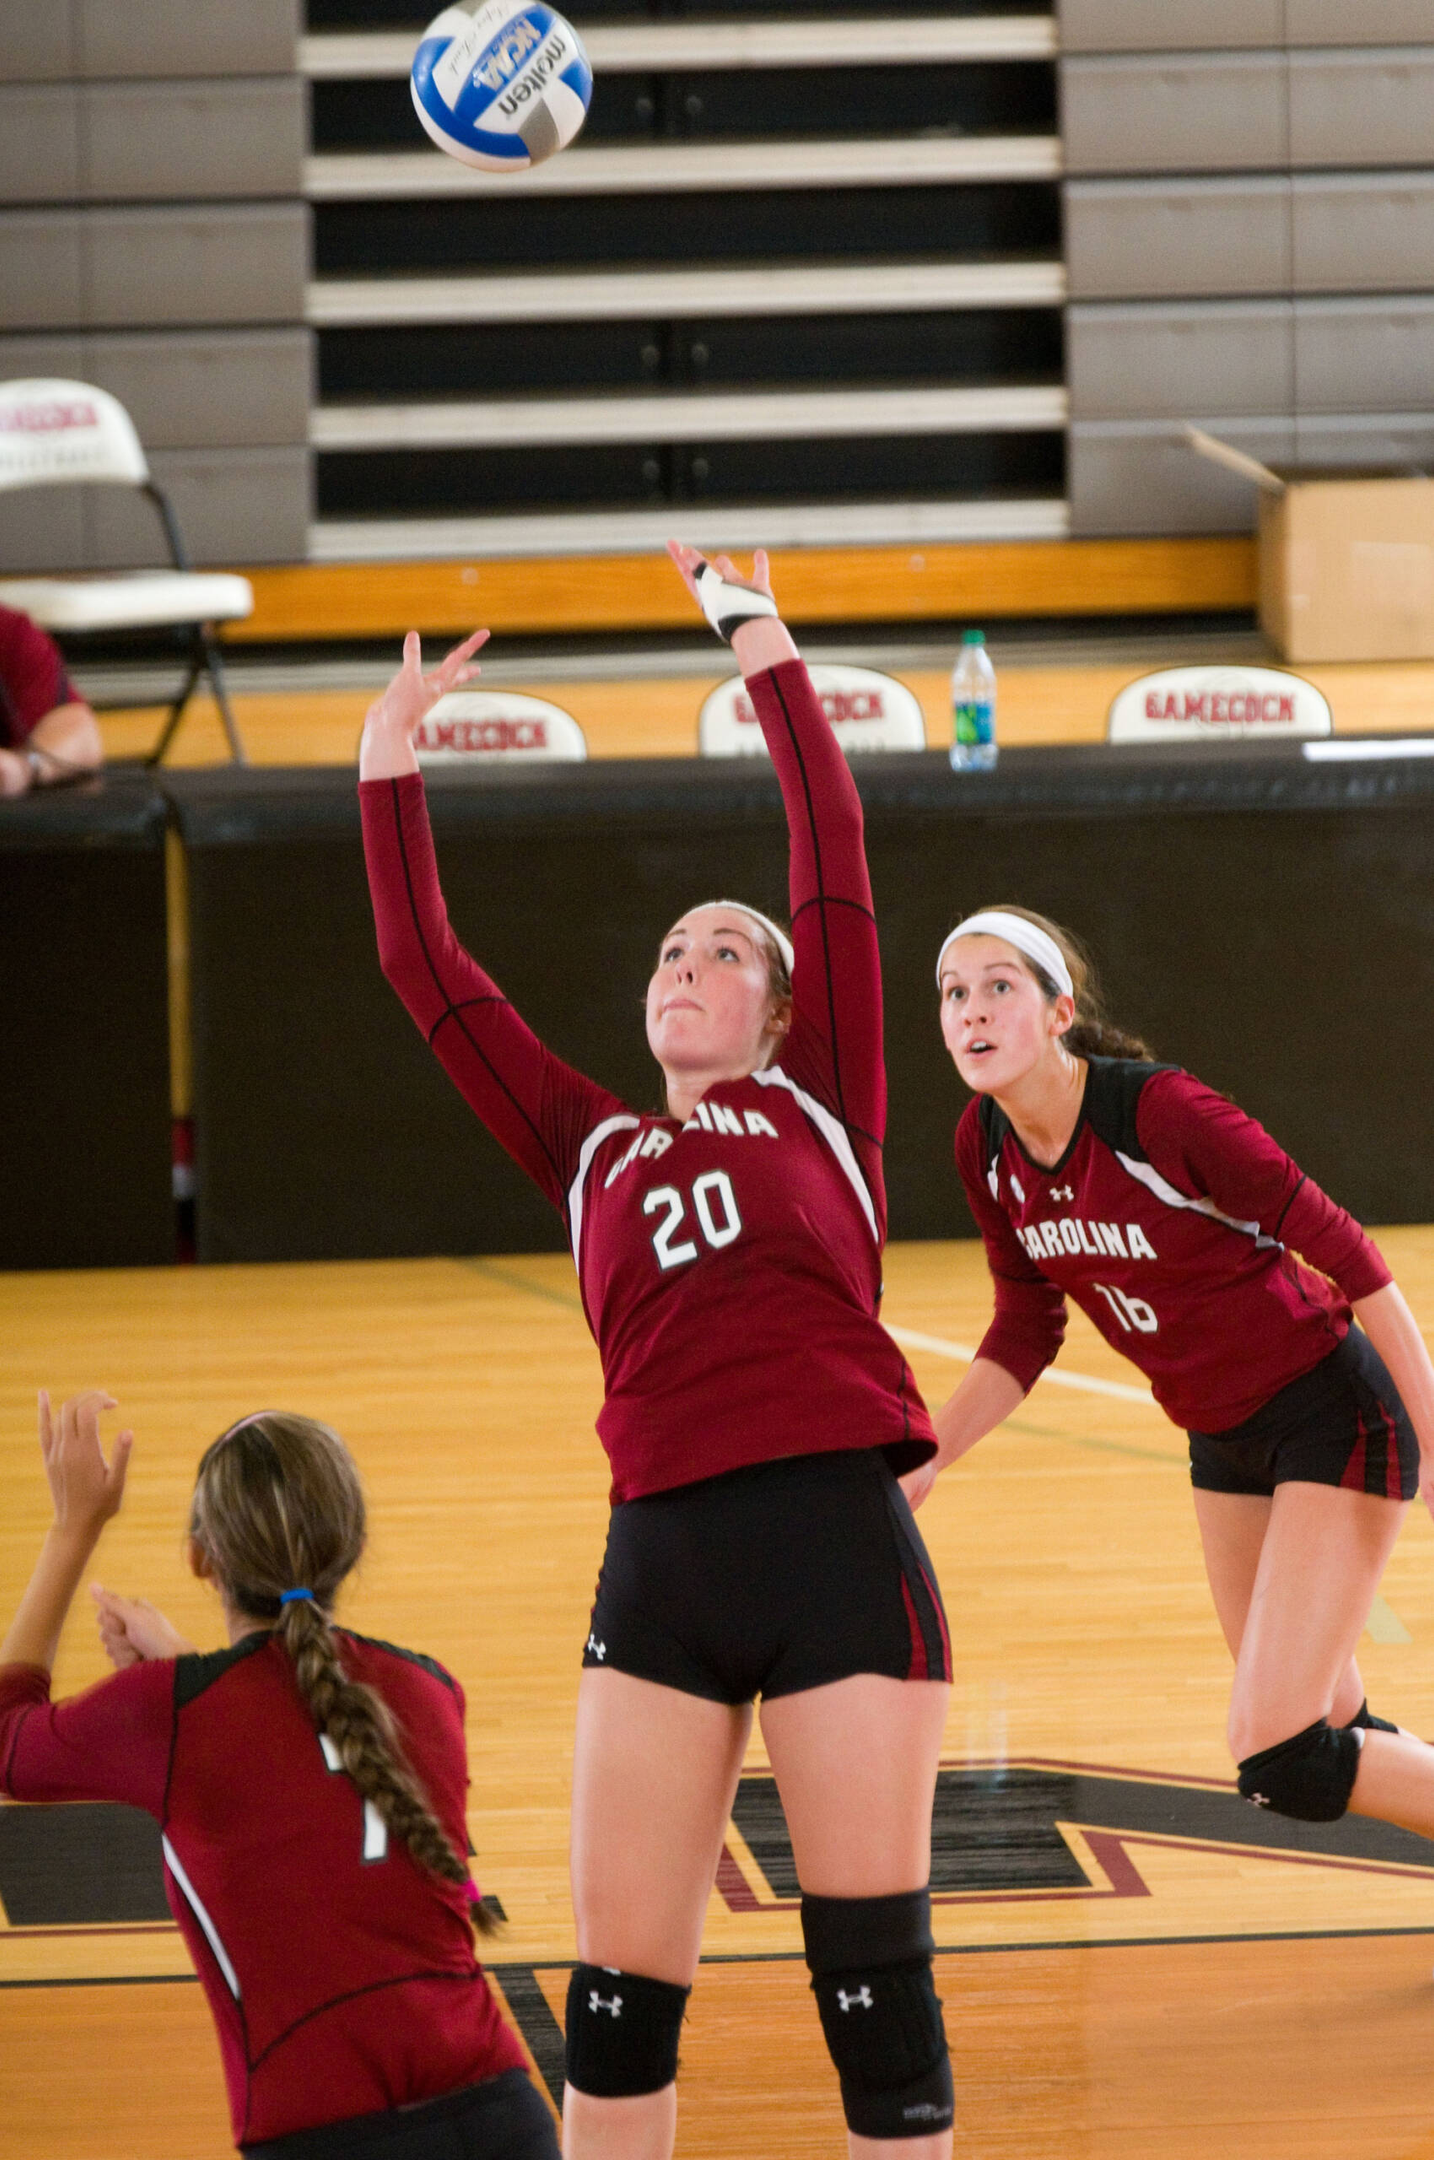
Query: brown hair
[[278, 1506], [1090, 1034]]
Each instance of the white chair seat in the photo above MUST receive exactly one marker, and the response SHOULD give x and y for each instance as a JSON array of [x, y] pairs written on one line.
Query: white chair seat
[[130, 601]]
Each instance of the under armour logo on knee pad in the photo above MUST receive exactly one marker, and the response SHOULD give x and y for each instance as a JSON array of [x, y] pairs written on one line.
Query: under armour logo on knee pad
[[861, 2000], [596, 2003], [1257, 1799]]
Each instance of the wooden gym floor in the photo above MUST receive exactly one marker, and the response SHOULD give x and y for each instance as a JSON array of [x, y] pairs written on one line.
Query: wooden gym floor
[[1133, 1964]]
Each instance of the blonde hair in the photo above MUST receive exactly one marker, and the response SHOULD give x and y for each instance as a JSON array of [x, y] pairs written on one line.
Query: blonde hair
[[278, 1506], [1090, 1034]]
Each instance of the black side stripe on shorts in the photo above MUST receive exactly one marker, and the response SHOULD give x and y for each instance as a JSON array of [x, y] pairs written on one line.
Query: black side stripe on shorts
[[922, 1604]]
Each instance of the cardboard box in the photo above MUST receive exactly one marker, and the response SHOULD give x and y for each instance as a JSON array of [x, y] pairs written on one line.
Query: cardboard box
[[1346, 560]]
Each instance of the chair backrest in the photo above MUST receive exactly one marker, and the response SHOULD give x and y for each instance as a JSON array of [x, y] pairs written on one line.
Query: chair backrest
[[53, 431], [867, 710], [1218, 704], [493, 727]]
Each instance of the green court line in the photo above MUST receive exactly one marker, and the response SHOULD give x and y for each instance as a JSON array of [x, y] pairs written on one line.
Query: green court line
[[1104, 1447], [510, 1280]]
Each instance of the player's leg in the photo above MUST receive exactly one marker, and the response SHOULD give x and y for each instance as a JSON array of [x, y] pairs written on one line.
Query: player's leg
[[855, 1764], [654, 1773], [1232, 1535], [1323, 1554]]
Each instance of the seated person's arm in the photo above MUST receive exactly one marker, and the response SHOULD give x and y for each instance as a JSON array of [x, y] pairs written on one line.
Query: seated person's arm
[[47, 733], [64, 742]]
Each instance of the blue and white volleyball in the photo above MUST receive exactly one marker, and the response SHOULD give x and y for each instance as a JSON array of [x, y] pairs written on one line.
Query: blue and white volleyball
[[502, 86]]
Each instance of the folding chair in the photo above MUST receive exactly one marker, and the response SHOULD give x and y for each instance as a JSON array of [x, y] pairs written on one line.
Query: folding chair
[[53, 432]]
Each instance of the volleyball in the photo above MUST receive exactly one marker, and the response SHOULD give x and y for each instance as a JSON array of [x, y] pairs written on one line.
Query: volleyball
[[502, 86]]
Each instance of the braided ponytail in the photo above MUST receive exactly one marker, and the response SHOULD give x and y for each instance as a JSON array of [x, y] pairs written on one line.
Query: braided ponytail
[[1090, 1034], [277, 1504]]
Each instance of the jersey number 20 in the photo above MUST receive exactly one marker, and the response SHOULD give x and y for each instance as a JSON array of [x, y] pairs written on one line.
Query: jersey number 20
[[713, 1203]]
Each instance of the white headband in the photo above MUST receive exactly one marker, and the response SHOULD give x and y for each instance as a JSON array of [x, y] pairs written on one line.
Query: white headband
[[779, 937], [1027, 939]]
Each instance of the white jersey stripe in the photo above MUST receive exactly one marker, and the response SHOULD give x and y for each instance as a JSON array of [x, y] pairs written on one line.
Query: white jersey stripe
[[1147, 1175], [590, 1147], [832, 1131], [221, 1955]]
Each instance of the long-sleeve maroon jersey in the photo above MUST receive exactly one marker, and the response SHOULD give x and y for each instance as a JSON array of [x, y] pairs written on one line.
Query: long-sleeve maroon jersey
[[1173, 1220], [730, 1267], [340, 1975]]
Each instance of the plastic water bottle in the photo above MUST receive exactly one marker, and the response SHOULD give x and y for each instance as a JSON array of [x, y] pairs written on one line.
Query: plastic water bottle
[[973, 707]]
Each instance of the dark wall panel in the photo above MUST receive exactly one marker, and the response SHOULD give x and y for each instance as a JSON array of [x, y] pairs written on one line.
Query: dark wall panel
[[84, 987], [363, 239], [1214, 888]]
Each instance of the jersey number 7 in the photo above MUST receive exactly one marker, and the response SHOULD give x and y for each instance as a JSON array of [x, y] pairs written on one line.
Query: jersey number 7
[[375, 1829], [710, 1192]]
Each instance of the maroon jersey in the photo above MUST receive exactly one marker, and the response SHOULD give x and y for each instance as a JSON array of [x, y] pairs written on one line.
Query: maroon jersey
[[340, 1974], [730, 1267], [1173, 1220], [32, 677]]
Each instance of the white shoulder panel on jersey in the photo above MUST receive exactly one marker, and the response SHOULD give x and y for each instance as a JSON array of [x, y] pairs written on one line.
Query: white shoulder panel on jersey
[[1147, 1175], [590, 1147], [832, 1131], [192, 1898]]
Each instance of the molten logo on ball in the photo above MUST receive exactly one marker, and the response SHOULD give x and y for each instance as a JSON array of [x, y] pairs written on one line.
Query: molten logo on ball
[[504, 86]]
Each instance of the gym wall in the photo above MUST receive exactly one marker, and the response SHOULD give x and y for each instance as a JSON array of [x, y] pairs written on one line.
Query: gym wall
[[1249, 244], [154, 240]]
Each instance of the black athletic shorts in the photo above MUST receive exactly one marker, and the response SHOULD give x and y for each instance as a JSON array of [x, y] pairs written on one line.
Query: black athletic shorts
[[771, 1579], [504, 2118], [1341, 1424]]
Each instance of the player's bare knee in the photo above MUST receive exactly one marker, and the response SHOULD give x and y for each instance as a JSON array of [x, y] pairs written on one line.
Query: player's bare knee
[[870, 1961], [622, 2032], [1310, 1776]]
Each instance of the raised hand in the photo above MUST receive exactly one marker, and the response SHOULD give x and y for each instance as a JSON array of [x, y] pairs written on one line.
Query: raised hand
[[86, 1489], [131, 1629], [689, 561], [394, 716]]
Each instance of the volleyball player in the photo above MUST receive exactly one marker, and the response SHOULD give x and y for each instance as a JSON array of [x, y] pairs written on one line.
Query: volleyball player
[[310, 1788], [1207, 1257], [729, 1254]]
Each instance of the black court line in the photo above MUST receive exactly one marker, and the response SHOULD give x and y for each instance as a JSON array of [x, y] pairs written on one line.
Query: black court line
[[535, 2021], [508, 1975], [188, 1979]]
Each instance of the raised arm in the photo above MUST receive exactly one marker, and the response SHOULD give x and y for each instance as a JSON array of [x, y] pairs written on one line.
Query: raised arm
[[835, 1046], [535, 1106], [86, 1491], [108, 1743]]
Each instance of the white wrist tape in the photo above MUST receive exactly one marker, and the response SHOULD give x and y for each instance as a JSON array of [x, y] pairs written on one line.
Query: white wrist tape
[[727, 606]]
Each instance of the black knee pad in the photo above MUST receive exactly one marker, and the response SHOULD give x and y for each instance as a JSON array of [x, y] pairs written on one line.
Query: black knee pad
[[1310, 1777], [870, 1961], [1365, 1716], [622, 2032]]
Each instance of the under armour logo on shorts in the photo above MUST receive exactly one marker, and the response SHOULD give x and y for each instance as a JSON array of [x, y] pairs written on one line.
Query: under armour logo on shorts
[[861, 2000], [595, 1648]]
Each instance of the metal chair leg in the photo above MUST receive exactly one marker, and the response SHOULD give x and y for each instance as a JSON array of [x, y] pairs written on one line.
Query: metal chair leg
[[176, 710], [204, 660], [221, 695]]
